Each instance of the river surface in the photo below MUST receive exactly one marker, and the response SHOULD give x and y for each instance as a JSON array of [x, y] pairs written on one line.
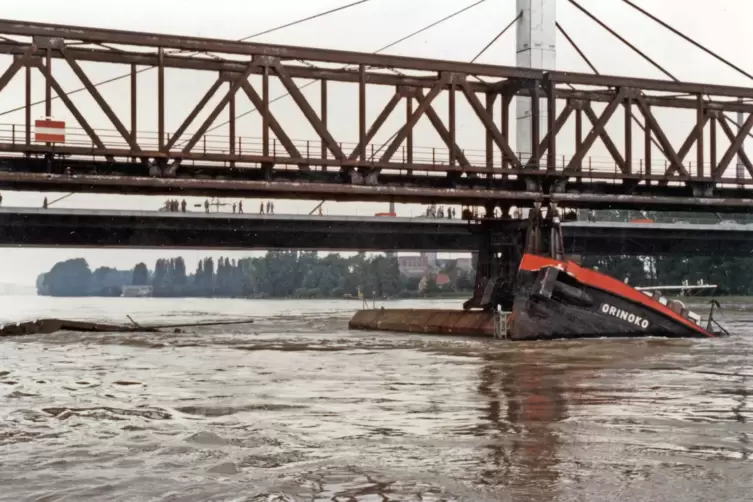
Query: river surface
[[297, 408]]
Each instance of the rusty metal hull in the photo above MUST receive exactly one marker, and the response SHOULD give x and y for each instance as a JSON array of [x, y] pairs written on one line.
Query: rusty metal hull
[[427, 321]]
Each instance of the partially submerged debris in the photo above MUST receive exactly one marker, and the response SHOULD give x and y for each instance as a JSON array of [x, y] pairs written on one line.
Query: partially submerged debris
[[47, 326]]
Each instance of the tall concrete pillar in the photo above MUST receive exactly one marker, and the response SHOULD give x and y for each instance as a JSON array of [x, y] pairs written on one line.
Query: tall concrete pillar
[[535, 48]]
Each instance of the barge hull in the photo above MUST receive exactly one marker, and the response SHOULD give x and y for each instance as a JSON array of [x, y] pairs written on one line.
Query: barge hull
[[425, 321]]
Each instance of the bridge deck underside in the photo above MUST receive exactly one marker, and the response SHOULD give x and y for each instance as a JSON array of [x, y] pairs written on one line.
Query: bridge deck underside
[[84, 228]]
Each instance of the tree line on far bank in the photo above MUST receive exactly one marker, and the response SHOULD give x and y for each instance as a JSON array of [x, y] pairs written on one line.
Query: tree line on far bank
[[278, 274], [732, 275]]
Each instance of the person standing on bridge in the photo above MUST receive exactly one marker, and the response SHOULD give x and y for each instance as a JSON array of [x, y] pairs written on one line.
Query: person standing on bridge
[[206, 205], [44, 203], [261, 207], [1, 199], [269, 207], [183, 205], [233, 207], [240, 207]]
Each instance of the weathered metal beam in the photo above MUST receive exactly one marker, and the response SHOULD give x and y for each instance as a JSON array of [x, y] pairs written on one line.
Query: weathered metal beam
[[606, 139], [734, 147], [217, 109], [193, 114], [413, 119], [653, 125], [308, 111], [199, 44], [731, 137], [378, 123], [349, 76], [559, 122], [444, 134], [488, 121], [103, 105], [262, 103], [71, 107], [595, 132]]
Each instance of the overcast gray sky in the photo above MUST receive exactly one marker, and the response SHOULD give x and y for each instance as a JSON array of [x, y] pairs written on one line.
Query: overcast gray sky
[[721, 25]]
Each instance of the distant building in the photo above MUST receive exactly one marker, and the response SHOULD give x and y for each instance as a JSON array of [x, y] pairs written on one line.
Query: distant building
[[419, 266], [137, 291], [414, 266]]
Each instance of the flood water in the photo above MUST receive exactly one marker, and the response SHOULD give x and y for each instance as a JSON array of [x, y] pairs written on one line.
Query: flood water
[[297, 408]]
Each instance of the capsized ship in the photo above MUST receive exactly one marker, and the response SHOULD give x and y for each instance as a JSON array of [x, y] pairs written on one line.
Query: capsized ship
[[560, 299], [526, 289]]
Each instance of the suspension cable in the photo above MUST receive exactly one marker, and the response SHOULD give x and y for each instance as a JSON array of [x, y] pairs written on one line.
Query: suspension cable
[[388, 46], [430, 26], [504, 30], [699, 46], [623, 40], [577, 49], [688, 39], [593, 68], [244, 39]]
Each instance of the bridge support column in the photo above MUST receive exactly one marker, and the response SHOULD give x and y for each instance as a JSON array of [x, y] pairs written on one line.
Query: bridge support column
[[499, 257]]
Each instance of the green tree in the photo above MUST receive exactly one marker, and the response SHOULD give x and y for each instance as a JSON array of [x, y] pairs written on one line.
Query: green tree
[[140, 275]]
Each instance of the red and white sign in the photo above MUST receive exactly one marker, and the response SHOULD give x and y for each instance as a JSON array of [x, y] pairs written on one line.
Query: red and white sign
[[48, 130]]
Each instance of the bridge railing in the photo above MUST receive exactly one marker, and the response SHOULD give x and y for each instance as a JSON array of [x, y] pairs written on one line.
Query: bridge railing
[[219, 145]]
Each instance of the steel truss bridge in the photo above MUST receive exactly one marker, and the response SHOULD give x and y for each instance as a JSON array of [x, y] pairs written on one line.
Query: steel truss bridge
[[692, 174]]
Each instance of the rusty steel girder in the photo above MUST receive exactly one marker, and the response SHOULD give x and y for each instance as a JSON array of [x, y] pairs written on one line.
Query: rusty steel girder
[[417, 82]]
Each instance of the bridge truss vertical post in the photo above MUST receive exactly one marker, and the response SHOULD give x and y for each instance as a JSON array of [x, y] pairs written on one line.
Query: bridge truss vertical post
[[161, 99], [48, 84], [323, 107], [27, 106], [134, 105]]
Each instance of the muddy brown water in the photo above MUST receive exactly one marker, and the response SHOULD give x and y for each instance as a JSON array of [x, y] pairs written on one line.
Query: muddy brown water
[[296, 407]]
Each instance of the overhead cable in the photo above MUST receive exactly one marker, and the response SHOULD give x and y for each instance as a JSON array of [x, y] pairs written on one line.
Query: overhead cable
[[388, 46], [689, 39], [623, 40], [244, 39], [486, 48], [504, 30]]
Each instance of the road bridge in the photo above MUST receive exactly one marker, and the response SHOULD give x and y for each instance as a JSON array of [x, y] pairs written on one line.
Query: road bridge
[[645, 168], [153, 229]]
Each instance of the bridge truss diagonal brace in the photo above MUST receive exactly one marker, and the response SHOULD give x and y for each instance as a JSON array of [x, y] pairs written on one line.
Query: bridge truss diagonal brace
[[736, 144], [488, 120], [695, 134], [731, 136], [596, 131], [377, 124], [18, 63], [653, 125], [274, 125], [104, 106], [193, 114], [220, 106], [441, 129], [72, 107], [308, 111], [410, 123], [606, 139], [559, 123]]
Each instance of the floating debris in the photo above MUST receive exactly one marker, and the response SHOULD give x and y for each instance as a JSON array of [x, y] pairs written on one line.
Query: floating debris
[[48, 326]]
